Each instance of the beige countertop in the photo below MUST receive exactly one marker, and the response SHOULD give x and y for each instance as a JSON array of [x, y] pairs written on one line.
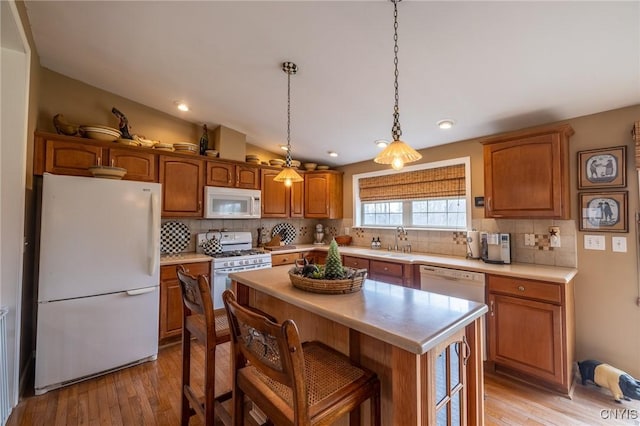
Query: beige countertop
[[411, 319], [518, 270], [191, 257]]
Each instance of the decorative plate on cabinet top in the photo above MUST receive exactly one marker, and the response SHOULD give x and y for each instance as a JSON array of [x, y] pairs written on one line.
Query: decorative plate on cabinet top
[[174, 237], [286, 231]]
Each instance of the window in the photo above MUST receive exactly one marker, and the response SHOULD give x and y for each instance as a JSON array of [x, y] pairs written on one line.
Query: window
[[431, 196]]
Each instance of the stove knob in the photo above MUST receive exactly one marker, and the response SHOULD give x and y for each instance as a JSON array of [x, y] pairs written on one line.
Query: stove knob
[[245, 262]]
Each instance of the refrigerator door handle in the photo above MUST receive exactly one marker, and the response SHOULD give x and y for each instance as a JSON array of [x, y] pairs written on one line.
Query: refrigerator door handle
[[140, 291], [155, 234]]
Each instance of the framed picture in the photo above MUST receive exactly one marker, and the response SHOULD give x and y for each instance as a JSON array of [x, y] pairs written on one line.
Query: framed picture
[[602, 168], [604, 211]]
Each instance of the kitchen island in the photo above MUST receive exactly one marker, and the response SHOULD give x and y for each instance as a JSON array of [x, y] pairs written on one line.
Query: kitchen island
[[426, 348]]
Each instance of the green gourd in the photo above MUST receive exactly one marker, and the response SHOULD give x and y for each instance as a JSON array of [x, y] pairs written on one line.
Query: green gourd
[[333, 269]]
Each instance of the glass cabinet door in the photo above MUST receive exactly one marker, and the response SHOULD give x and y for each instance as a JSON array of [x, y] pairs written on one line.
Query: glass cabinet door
[[449, 381]]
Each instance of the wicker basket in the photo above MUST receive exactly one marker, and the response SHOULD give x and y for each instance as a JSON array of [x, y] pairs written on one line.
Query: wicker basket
[[314, 285], [343, 240]]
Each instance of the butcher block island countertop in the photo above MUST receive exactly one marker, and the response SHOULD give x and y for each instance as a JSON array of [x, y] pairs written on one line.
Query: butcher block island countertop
[[398, 332]]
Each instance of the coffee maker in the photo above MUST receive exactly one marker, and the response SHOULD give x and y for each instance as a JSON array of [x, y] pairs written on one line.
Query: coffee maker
[[495, 248]]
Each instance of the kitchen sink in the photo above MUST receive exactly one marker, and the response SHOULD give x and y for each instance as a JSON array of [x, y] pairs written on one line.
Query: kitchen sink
[[396, 255]]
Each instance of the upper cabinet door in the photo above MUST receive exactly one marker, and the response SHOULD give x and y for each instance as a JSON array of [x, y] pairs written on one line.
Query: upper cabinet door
[[275, 196], [220, 174], [247, 177], [71, 158], [526, 174], [140, 166], [182, 182], [297, 199], [323, 195]]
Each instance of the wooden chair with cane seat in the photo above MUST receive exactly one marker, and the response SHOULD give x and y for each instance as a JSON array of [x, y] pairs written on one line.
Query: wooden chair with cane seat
[[293, 383], [211, 329]]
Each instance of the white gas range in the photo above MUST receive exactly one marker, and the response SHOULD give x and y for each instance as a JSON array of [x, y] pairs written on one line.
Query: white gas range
[[237, 255]]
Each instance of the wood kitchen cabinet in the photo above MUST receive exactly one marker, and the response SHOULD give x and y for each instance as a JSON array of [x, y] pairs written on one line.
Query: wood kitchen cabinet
[[66, 155], [182, 182], [318, 257], [142, 166], [531, 331], [221, 173], [526, 173], [170, 321], [323, 195], [279, 200]]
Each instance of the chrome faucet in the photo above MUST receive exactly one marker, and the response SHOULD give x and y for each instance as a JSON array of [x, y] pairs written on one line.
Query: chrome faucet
[[399, 231]]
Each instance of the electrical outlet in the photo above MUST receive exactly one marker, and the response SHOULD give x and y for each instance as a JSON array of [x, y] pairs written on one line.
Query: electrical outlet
[[527, 240], [594, 242]]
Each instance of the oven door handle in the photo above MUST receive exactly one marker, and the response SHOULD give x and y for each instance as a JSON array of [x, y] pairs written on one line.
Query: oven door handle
[[227, 271]]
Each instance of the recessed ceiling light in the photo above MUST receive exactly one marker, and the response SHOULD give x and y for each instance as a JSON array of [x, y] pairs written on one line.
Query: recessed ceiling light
[[182, 106], [284, 147], [446, 123], [381, 143], [332, 154]]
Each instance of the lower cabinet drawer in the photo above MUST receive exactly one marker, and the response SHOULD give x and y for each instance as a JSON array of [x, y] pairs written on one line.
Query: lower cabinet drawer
[[549, 292], [284, 259], [355, 262], [195, 269], [378, 267]]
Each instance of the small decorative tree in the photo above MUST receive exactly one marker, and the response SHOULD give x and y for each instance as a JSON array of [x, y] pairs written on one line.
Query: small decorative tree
[[333, 269]]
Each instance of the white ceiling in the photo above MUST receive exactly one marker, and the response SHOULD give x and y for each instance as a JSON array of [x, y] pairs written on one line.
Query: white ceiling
[[491, 66]]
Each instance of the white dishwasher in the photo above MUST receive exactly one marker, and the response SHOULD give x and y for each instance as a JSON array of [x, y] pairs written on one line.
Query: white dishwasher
[[455, 283]]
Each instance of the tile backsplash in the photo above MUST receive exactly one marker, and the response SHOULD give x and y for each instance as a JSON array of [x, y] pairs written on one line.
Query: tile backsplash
[[453, 243]]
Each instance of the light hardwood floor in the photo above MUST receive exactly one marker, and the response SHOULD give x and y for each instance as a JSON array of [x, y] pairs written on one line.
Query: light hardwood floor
[[149, 394]]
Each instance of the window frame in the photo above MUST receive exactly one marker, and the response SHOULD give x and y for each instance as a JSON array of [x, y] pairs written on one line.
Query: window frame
[[357, 204]]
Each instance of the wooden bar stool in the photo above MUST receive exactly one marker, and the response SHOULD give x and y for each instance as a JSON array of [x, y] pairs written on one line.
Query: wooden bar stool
[[210, 329], [293, 383]]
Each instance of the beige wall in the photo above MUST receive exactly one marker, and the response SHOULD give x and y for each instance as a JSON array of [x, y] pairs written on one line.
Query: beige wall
[[607, 287], [81, 103]]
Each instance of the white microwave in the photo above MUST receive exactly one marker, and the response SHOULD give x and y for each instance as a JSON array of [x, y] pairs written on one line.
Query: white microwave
[[231, 203]]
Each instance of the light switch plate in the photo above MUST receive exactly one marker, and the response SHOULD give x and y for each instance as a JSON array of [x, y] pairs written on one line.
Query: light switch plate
[[594, 242], [619, 244]]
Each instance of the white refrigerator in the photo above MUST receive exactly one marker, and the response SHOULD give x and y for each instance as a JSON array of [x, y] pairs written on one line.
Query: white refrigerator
[[98, 287]]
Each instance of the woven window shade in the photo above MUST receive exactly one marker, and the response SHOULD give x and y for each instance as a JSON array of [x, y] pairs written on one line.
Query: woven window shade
[[446, 181]]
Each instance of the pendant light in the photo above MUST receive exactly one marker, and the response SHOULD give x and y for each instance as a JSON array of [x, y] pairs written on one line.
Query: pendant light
[[288, 175], [397, 153]]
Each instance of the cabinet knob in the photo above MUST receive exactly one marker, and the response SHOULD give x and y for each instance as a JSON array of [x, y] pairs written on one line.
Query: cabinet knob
[[386, 269], [521, 288]]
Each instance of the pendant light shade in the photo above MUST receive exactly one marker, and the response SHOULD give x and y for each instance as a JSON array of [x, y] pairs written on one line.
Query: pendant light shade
[[288, 175], [397, 153]]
